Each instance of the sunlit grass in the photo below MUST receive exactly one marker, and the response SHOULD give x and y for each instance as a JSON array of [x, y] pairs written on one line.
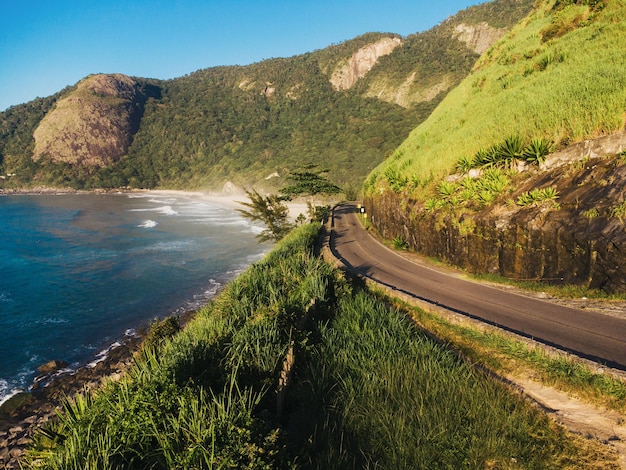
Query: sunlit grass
[[505, 354], [564, 90]]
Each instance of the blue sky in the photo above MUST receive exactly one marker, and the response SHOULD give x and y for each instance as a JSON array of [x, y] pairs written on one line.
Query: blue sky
[[47, 45]]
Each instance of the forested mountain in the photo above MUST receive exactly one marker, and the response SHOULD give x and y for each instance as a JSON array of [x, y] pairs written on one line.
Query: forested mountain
[[343, 107]]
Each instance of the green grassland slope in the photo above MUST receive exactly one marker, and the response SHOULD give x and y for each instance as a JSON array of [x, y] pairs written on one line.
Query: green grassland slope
[[520, 170], [343, 107]]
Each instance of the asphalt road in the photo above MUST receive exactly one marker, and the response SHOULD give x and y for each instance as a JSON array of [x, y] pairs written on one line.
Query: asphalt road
[[592, 335]]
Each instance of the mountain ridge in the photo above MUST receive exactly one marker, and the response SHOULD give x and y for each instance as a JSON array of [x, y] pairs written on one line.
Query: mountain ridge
[[520, 170], [242, 123]]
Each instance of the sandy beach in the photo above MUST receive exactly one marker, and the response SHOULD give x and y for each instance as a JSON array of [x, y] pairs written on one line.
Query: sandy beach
[[232, 200]]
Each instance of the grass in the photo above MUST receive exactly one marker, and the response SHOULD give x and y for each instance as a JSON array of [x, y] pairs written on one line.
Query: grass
[[504, 354], [369, 389], [579, 96], [384, 381], [568, 291]]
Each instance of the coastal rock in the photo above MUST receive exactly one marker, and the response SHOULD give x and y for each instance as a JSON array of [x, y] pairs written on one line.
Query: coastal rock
[[51, 367], [21, 415]]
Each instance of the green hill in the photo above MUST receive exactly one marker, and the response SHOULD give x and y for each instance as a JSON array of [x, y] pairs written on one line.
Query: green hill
[[344, 107], [557, 75], [520, 169]]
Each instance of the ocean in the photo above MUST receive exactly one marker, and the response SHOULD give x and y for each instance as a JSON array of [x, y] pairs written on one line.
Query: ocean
[[78, 272]]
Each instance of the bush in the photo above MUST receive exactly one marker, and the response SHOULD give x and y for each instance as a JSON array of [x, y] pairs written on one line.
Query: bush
[[537, 151], [161, 331], [537, 196]]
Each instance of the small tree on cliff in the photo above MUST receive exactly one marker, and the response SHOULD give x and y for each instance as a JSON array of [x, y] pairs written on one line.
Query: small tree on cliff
[[309, 182], [271, 211]]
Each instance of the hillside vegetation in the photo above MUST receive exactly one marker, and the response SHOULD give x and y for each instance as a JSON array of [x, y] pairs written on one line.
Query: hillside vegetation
[[520, 171], [558, 76], [265, 378], [343, 107]]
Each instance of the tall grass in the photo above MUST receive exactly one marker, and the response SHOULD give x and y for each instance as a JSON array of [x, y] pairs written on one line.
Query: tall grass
[[395, 398], [204, 399], [368, 389]]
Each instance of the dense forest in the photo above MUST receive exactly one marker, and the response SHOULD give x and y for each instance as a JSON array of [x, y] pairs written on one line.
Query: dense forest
[[251, 125]]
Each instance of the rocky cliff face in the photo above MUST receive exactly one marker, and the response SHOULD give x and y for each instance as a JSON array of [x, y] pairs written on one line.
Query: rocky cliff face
[[361, 62], [94, 125], [581, 241], [478, 37]]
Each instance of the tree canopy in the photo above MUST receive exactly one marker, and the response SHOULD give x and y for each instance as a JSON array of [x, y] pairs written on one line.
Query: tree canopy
[[309, 181], [271, 211]]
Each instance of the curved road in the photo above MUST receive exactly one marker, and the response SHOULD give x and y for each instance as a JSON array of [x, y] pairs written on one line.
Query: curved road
[[589, 334]]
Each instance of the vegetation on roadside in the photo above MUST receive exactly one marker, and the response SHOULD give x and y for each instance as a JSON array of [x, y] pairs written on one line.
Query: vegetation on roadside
[[505, 355], [367, 389]]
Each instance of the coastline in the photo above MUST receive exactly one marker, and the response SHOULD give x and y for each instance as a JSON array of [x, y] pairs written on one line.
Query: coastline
[[25, 411], [231, 199]]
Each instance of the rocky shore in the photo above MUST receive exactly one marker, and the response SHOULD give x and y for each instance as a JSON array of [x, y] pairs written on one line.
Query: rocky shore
[[24, 413]]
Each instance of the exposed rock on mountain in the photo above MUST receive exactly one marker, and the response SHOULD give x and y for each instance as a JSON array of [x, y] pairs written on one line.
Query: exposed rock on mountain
[[478, 37], [92, 126], [361, 62]]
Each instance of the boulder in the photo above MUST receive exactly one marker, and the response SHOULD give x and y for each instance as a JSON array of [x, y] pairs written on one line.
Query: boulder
[[51, 367]]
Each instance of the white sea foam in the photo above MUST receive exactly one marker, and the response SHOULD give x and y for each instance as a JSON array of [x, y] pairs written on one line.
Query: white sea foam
[[148, 224], [52, 321], [174, 245], [163, 201], [102, 355], [200, 300], [7, 391], [167, 210]]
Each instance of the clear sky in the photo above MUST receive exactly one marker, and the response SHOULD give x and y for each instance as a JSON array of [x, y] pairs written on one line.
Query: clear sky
[[46, 45]]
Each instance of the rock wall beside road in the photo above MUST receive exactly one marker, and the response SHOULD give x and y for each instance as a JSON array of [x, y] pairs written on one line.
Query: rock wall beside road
[[581, 241]]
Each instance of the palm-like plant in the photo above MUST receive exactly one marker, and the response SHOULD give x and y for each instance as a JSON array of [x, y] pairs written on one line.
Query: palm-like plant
[[537, 151]]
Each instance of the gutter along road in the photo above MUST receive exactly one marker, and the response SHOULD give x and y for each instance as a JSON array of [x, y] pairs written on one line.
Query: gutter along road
[[588, 334]]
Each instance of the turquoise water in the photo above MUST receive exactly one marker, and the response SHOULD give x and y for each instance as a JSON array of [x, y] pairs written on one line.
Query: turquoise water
[[78, 272]]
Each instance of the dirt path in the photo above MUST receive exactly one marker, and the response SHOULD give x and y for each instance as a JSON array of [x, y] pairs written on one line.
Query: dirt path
[[607, 427]]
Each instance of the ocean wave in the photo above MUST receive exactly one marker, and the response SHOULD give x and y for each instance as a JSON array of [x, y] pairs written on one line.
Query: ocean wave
[[220, 221], [148, 224], [254, 229], [174, 245], [7, 391], [201, 299], [51, 321], [167, 210], [163, 201], [102, 355], [5, 297]]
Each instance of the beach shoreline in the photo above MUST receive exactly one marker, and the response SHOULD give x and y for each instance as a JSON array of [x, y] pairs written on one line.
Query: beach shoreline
[[27, 410], [233, 199]]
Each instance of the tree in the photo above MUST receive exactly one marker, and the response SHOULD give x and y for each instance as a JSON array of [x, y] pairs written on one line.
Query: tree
[[310, 182], [269, 210]]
